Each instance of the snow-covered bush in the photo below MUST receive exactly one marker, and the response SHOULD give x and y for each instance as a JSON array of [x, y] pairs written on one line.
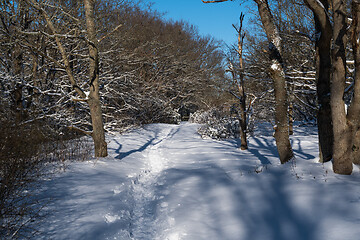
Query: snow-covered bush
[[216, 124]]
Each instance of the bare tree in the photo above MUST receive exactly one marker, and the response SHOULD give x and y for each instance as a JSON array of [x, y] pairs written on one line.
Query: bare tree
[[295, 24], [332, 18], [278, 75], [240, 84], [151, 68], [92, 98]]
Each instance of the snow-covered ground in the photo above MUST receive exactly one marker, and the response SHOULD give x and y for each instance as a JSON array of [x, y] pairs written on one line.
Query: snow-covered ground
[[165, 182]]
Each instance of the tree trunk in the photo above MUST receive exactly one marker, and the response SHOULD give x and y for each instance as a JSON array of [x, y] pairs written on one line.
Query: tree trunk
[[323, 74], [17, 67], [241, 87], [354, 109], [93, 99], [324, 33], [243, 124], [291, 96], [278, 75], [18, 88], [356, 146], [342, 162], [291, 118], [98, 133], [345, 125]]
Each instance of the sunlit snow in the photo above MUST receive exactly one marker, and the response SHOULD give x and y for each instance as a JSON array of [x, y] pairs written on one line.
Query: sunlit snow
[[165, 182]]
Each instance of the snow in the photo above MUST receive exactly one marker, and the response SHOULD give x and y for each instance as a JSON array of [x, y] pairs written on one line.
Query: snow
[[275, 66], [165, 182]]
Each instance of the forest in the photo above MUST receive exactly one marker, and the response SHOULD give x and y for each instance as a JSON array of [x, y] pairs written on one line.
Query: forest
[[73, 74]]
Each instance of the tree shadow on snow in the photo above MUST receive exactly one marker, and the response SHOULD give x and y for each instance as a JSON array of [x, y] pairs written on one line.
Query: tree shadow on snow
[[122, 155], [299, 151], [81, 204], [256, 143], [258, 207], [154, 140], [263, 143]]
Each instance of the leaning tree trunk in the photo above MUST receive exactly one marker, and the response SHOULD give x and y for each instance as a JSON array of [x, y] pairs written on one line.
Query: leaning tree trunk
[[278, 75], [98, 133], [342, 162]]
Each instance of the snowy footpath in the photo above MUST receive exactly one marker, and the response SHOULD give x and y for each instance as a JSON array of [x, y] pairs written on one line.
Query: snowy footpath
[[165, 182]]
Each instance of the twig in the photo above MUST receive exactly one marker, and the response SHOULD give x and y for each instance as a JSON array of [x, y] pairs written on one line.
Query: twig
[[114, 30]]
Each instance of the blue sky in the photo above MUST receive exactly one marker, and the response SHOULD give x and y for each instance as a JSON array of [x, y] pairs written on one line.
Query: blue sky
[[214, 19]]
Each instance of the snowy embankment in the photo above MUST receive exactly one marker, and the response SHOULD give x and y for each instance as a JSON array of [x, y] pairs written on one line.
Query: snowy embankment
[[165, 182]]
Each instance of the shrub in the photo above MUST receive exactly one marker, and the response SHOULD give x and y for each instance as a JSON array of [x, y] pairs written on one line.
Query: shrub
[[216, 124], [27, 153]]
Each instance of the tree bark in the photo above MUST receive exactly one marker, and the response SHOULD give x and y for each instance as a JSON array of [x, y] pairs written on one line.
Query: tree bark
[[98, 133], [354, 108], [323, 31], [243, 124], [345, 124], [323, 71], [342, 162], [278, 75]]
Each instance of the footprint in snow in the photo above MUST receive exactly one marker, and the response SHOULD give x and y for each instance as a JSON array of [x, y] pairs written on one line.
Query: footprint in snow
[[164, 204], [118, 189], [111, 218]]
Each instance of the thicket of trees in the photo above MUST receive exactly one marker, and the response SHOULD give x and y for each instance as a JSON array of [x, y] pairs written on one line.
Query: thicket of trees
[[70, 67], [73, 67], [321, 39], [68, 56]]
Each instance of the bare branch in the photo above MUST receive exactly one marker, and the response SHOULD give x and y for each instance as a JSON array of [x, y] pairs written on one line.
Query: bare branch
[[80, 130], [59, 45], [114, 30], [43, 54]]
